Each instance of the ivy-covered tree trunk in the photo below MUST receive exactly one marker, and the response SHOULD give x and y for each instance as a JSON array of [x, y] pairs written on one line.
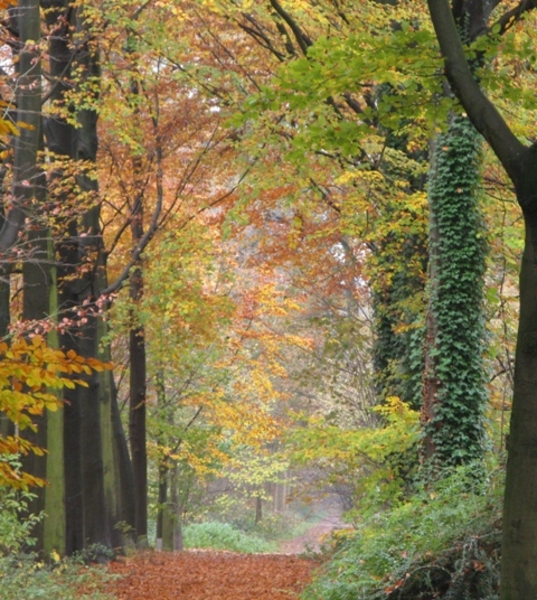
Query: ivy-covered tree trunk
[[398, 291], [454, 390]]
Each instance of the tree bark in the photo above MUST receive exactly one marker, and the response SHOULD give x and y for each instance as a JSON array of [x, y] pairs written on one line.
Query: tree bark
[[137, 352], [28, 193]]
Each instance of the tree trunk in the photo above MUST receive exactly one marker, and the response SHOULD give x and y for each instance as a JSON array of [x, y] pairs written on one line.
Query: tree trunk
[[161, 503], [137, 354], [137, 425], [258, 509], [54, 524], [28, 196], [454, 378], [164, 522], [519, 542]]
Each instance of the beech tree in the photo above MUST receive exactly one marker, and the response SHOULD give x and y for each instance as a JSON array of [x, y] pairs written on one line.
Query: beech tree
[[519, 542]]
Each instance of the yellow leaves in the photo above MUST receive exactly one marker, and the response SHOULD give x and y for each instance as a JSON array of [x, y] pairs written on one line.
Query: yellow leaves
[[350, 449], [7, 128], [29, 368]]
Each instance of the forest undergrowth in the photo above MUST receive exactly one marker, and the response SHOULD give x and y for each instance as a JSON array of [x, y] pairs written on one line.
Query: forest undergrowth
[[442, 543]]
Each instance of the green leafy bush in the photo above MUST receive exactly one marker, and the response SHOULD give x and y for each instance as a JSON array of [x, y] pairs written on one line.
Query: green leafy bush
[[222, 536], [444, 540], [15, 532], [23, 576]]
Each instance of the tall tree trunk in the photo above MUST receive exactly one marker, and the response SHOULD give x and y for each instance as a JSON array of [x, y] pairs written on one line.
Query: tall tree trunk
[[454, 390], [96, 512], [6, 426], [137, 353], [137, 418], [28, 194], [519, 545], [60, 143], [54, 524]]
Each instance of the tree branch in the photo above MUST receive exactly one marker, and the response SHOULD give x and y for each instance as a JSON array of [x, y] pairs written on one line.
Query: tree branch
[[483, 114], [508, 19], [302, 39]]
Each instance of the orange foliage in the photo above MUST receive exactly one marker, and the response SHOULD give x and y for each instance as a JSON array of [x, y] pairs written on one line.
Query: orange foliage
[[204, 575]]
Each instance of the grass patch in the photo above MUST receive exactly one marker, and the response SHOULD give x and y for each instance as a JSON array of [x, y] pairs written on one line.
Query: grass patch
[[222, 536]]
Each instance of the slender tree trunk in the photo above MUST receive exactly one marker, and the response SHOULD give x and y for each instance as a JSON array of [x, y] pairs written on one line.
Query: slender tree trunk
[[123, 464], [96, 512], [163, 465], [137, 353], [137, 420], [54, 524], [6, 426], [162, 502], [176, 509], [258, 509]]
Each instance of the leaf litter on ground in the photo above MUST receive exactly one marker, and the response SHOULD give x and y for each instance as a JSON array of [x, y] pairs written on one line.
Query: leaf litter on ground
[[208, 575]]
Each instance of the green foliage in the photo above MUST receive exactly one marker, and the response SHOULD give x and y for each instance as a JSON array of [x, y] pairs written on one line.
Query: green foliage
[[15, 530], [23, 578], [458, 251], [442, 542], [222, 536], [374, 461], [277, 527]]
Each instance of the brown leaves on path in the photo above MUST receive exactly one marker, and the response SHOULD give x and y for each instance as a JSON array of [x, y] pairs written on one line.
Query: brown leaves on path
[[199, 575]]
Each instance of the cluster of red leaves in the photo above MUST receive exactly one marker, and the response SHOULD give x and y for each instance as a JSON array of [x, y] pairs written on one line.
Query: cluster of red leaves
[[210, 576]]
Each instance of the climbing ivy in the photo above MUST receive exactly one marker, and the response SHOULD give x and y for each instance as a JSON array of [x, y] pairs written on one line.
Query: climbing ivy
[[454, 379], [397, 274]]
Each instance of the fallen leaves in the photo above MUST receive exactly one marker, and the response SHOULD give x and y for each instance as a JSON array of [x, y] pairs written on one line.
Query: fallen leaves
[[198, 575]]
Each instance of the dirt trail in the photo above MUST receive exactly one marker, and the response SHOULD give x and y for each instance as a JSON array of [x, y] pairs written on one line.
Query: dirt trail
[[198, 575], [314, 538]]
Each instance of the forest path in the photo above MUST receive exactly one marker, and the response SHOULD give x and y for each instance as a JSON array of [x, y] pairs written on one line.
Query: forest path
[[314, 538], [203, 575]]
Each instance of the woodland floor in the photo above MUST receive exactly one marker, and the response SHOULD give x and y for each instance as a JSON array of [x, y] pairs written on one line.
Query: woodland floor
[[203, 575], [207, 575]]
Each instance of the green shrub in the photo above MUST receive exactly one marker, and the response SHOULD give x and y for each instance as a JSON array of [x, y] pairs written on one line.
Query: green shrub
[[24, 578], [15, 532], [443, 542], [222, 536]]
